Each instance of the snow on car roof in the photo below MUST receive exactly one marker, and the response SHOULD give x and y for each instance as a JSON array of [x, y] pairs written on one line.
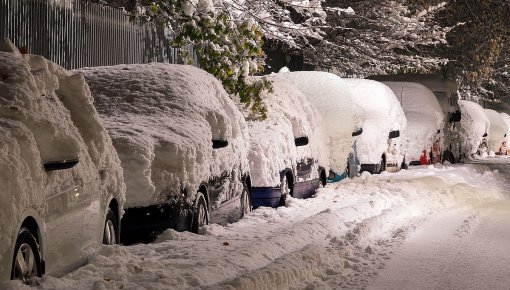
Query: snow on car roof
[[289, 116], [383, 114], [497, 130], [423, 113], [162, 119], [474, 124], [340, 115]]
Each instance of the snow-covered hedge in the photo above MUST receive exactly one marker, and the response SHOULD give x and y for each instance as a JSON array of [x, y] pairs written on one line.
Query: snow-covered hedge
[[162, 119], [497, 130], [330, 95], [46, 114], [289, 116], [383, 115], [474, 124], [424, 116]]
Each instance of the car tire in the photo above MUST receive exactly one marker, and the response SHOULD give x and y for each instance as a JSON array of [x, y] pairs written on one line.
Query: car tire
[[26, 262], [246, 207], [285, 190], [200, 214], [110, 232]]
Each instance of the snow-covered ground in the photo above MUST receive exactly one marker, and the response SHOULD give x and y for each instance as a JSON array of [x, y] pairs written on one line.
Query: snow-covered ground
[[427, 227]]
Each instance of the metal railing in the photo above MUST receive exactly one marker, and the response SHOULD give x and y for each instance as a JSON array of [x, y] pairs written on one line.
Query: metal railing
[[78, 33]]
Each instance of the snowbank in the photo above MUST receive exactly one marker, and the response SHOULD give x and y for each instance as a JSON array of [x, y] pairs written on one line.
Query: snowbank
[[383, 115], [498, 129], [424, 117], [340, 115], [474, 125], [46, 114], [338, 238], [162, 119], [289, 116]]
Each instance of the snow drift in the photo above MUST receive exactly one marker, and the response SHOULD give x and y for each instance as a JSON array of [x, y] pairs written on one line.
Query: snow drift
[[383, 115], [474, 125], [424, 117], [329, 94], [289, 116], [162, 119], [46, 114]]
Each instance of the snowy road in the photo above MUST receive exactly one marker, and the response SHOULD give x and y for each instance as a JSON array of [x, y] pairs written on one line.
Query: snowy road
[[459, 249], [442, 227]]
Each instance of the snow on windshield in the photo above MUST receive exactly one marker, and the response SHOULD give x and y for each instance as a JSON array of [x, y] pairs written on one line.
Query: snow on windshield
[[383, 115], [289, 116], [423, 113], [162, 119], [340, 116]]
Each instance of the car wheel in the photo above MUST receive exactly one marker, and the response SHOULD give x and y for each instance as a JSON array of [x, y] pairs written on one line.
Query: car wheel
[[245, 202], [382, 165], [285, 190], [26, 263], [110, 229], [200, 214]]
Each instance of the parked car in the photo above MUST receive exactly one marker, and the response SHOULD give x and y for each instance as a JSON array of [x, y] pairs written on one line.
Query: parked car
[[474, 130], [497, 132], [505, 147], [445, 91], [342, 119], [182, 144], [424, 122], [61, 183], [380, 146], [287, 154]]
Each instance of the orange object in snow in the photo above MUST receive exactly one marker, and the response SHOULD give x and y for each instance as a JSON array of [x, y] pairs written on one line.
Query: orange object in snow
[[423, 158]]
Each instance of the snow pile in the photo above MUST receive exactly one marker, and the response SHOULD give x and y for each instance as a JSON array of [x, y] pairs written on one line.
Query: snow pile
[[46, 114], [424, 116], [383, 115], [474, 125], [162, 119], [497, 131], [339, 239], [289, 116], [329, 94]]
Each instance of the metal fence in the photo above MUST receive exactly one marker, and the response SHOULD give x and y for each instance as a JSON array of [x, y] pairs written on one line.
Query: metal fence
[[78, 33]]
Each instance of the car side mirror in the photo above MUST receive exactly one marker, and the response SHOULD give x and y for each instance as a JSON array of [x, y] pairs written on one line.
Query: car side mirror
[[301, 141], [61, 164], [217, 144], [455, 117], [357, 132], [394, 134]]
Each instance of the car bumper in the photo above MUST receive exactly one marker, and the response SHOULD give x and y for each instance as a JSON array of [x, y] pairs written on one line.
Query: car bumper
[[265, 196]]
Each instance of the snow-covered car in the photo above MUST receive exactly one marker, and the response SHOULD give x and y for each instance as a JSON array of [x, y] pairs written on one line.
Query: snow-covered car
[[379, 147], [445, 91], [287, 153], [61, 184], [341, 119], [497, 132], [182, 144], [424, 116], [474, 129], [505, 147]]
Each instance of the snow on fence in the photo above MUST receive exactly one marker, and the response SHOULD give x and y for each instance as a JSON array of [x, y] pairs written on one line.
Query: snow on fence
[[78, 34]]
